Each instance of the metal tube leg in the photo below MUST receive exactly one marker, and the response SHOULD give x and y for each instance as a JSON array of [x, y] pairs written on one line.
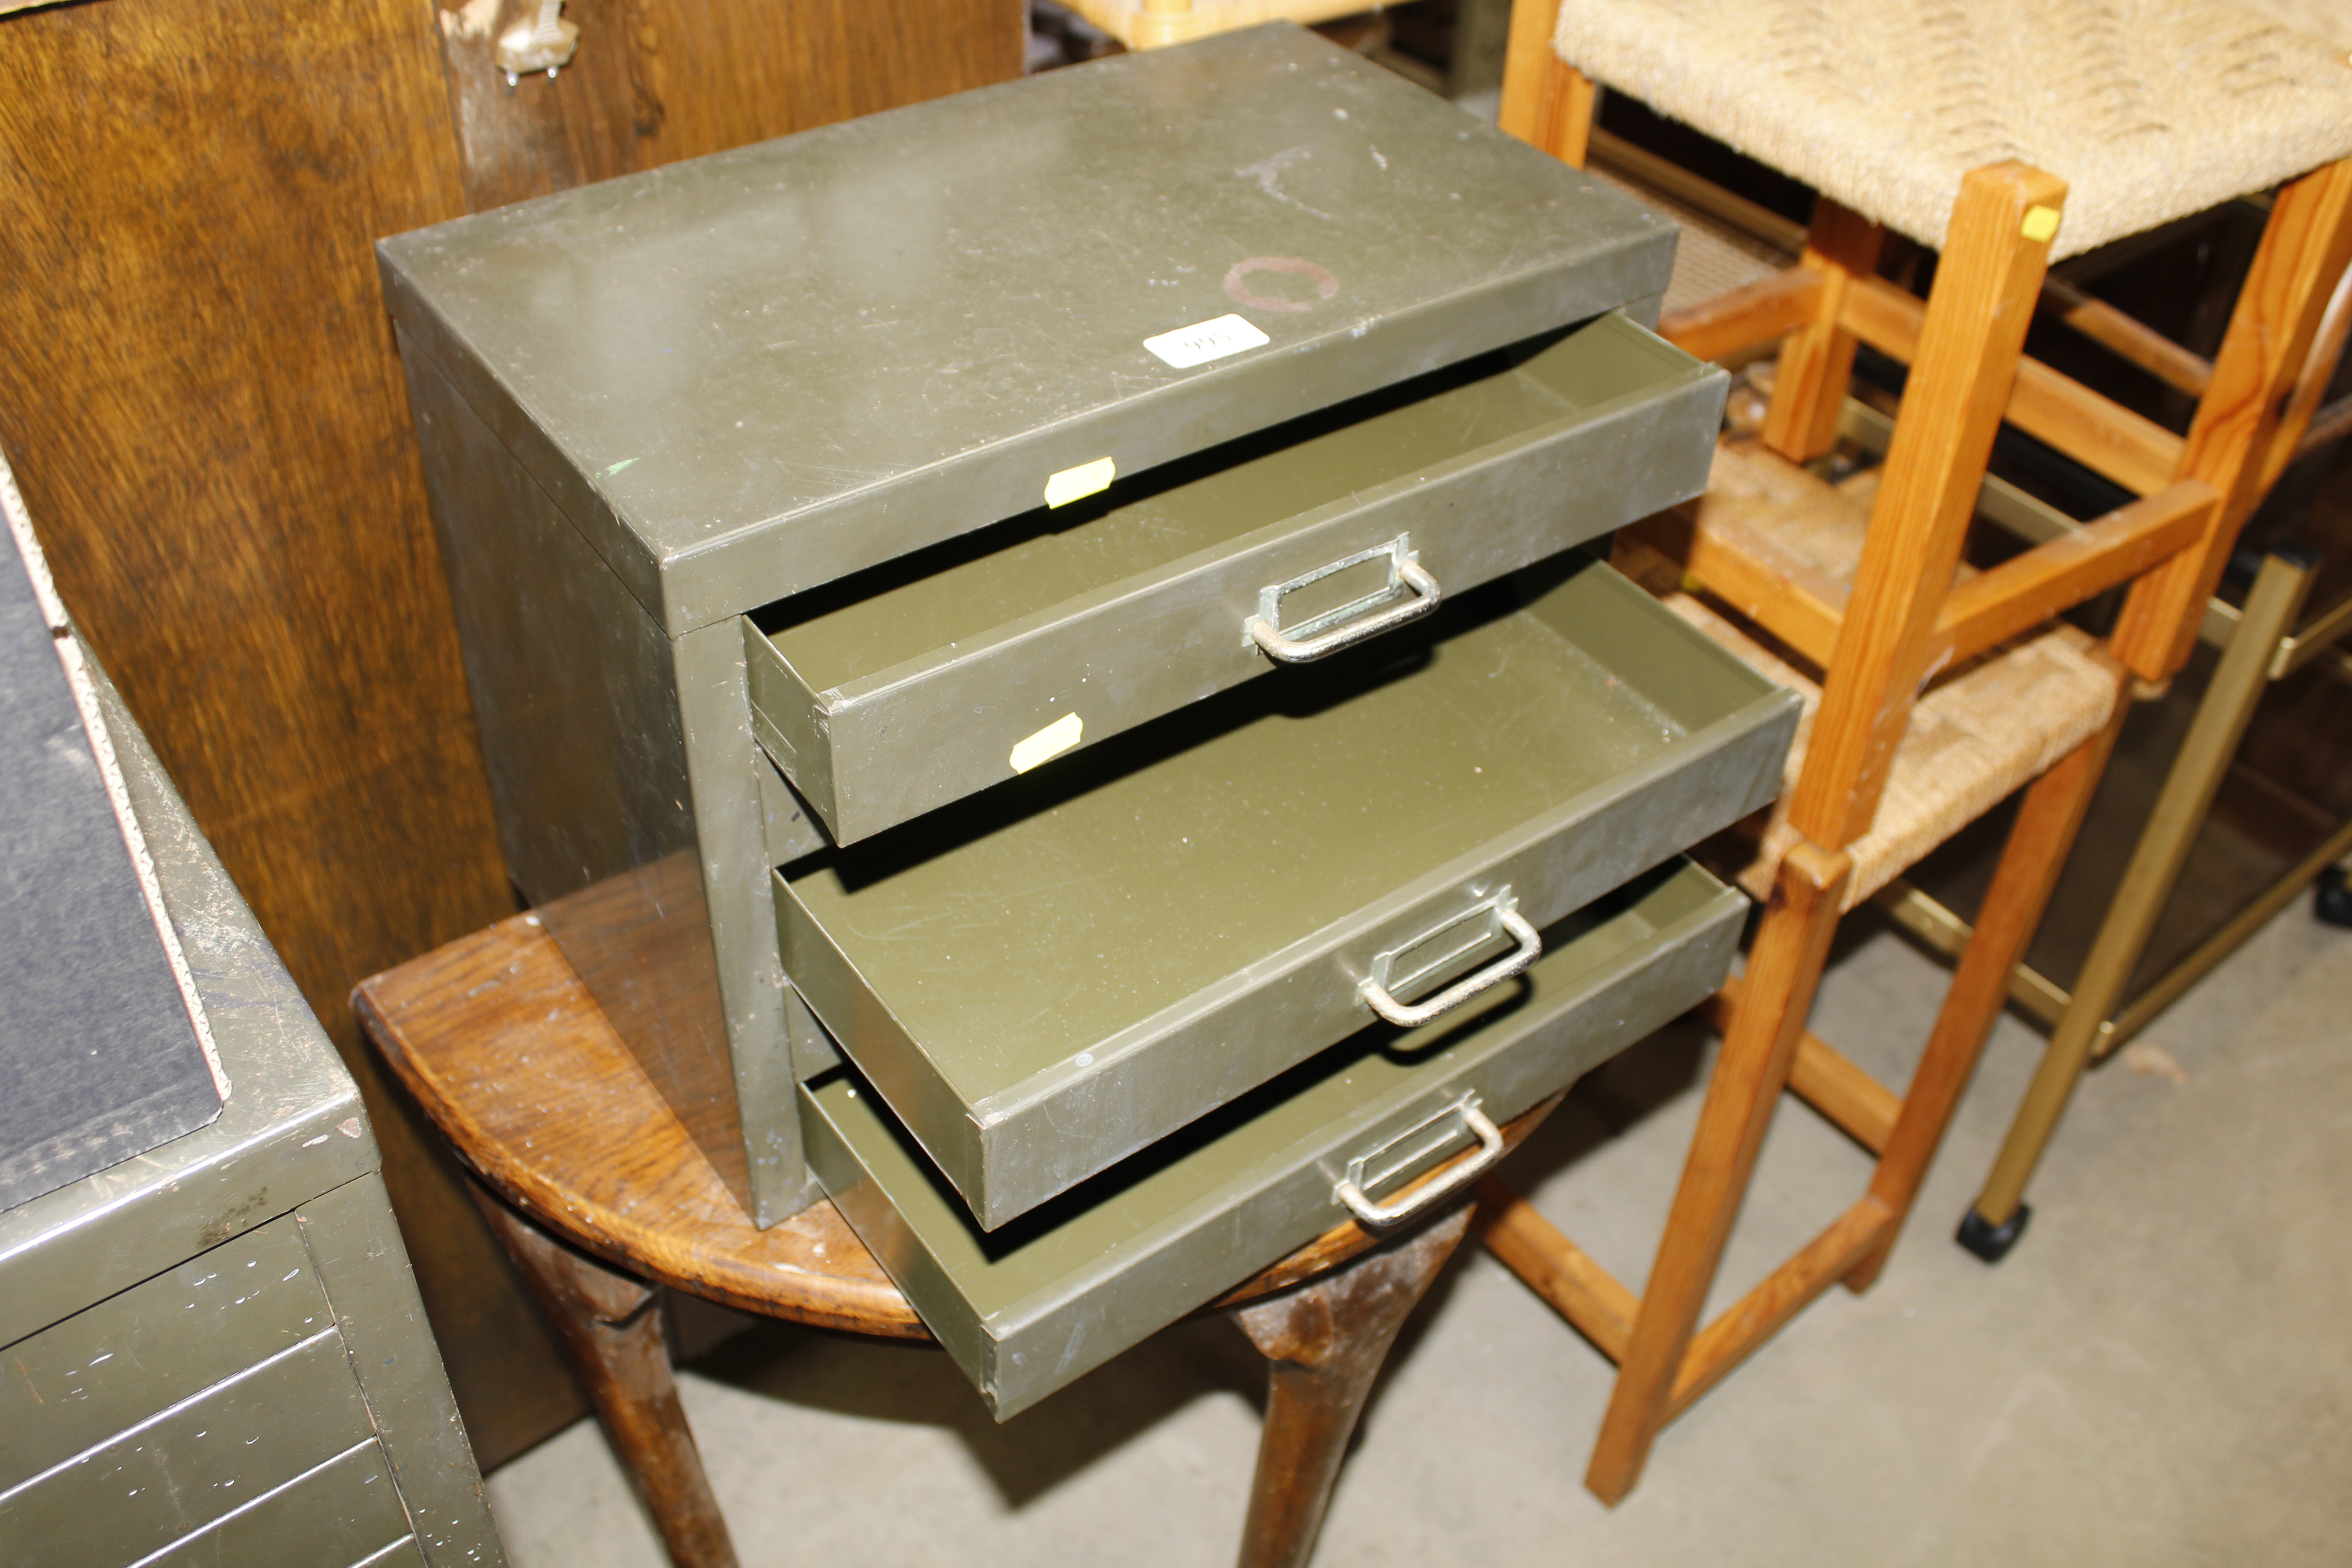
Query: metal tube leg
[[2055, 806], [1325, 1341], [609, 1324], [2331, 900], [1992, 1224]]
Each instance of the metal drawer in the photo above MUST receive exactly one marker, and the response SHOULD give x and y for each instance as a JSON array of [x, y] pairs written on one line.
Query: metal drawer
[[79, 1382], [191, 1464], [887, 696], [1030, 1308], [343, 1514], [1084, 960]]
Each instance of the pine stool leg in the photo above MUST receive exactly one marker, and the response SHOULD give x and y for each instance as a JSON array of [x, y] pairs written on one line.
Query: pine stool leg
[[1325, 1341], [609, 1324], [1546, 102], [1783, 969], [1817, 359]]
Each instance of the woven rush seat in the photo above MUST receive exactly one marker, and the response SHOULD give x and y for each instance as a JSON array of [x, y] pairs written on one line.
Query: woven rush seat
[[1976, 738], [1778, 515], [1712, 258], [2150, 109]]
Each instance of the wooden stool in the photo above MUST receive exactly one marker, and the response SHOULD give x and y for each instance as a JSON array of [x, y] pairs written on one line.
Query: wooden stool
[[600, 1196], [1937, 693]]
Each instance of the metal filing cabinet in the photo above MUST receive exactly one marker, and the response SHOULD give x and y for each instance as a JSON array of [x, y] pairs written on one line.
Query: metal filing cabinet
[[213, 1354], [1005, 633]]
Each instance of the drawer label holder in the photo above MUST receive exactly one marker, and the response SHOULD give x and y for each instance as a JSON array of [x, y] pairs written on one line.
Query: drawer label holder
[[1049, 743]]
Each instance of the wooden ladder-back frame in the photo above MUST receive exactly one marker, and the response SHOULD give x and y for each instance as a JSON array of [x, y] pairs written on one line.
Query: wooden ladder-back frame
[[1903, 619]]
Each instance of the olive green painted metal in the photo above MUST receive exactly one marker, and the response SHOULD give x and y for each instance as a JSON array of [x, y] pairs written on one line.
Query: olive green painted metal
[[791, 831], [80, 1381], [249, 1270], [354, 1244], [651, 406], [191, 1464], [342, 1514], [754, 373], [924, 688], [265, 1154], [1083, 960], [1027, 1310], [631, 808]]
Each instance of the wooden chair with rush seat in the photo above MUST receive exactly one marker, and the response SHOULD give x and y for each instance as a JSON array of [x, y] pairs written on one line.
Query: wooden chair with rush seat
[[1933, 690]]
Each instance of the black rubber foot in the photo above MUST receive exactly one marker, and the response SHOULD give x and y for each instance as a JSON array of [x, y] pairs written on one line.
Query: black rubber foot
[[2331, 899], [1990, 1241]]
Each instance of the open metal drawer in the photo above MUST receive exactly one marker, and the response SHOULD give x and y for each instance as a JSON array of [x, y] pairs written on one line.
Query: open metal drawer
[[1083, 960], [889, 695], [1030, 1308]]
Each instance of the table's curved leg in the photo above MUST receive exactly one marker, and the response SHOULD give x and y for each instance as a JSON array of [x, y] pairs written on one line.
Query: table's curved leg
[[608, 1322], [1325, 1341]]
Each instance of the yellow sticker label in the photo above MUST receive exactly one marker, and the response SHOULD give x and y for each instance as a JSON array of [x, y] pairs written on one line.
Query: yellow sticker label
[[1071, 484], [2040, 222], [1049, 743]]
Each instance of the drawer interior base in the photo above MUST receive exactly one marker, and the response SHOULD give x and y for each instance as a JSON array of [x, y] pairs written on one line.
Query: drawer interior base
[[1050, 979]]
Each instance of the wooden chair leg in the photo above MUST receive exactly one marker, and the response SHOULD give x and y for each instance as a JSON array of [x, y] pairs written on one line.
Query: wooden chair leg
[[1784, 966], [1547, 103], [2304, 252], [2040, 841], [1817, 359], [1325, 1341], [610, 1325], [1969, 341]]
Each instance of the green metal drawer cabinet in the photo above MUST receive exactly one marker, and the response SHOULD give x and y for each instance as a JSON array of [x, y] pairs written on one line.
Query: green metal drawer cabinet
[[1045, 983], [213, 1354], [1031, 649]]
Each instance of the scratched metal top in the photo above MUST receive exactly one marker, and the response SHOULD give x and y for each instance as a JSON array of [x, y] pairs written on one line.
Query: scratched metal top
[[292, 1127], [755, 371]]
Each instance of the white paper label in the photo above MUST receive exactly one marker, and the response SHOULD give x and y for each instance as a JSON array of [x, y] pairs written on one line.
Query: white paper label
[[1073, 484], [1187, 346], [1049, 743]]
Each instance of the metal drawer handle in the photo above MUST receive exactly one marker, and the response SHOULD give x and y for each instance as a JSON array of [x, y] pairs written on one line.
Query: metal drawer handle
[[1529, 949], [1490, 1152], [1404, 569]]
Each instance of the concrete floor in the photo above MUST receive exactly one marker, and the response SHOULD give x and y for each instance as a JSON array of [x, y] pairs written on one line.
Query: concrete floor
[[2160, 1374]]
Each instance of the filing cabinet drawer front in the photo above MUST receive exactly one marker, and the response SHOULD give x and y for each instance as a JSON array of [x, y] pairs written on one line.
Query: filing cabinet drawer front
[[1039, 1001], [1028, 1310], [897, 706], [80, 1381], [343, 1514], [191, 1464]]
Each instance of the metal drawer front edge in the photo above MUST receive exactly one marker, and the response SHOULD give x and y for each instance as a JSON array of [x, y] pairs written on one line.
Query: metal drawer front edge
[[1026, 1311], [929, 689], [1077, 978]]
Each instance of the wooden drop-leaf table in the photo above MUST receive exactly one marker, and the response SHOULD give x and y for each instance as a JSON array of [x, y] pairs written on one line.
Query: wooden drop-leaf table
[[602, 1198]]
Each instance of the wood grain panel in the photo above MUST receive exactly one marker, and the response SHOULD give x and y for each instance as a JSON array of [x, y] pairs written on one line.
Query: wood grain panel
[[199, 391], [658, 81]]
